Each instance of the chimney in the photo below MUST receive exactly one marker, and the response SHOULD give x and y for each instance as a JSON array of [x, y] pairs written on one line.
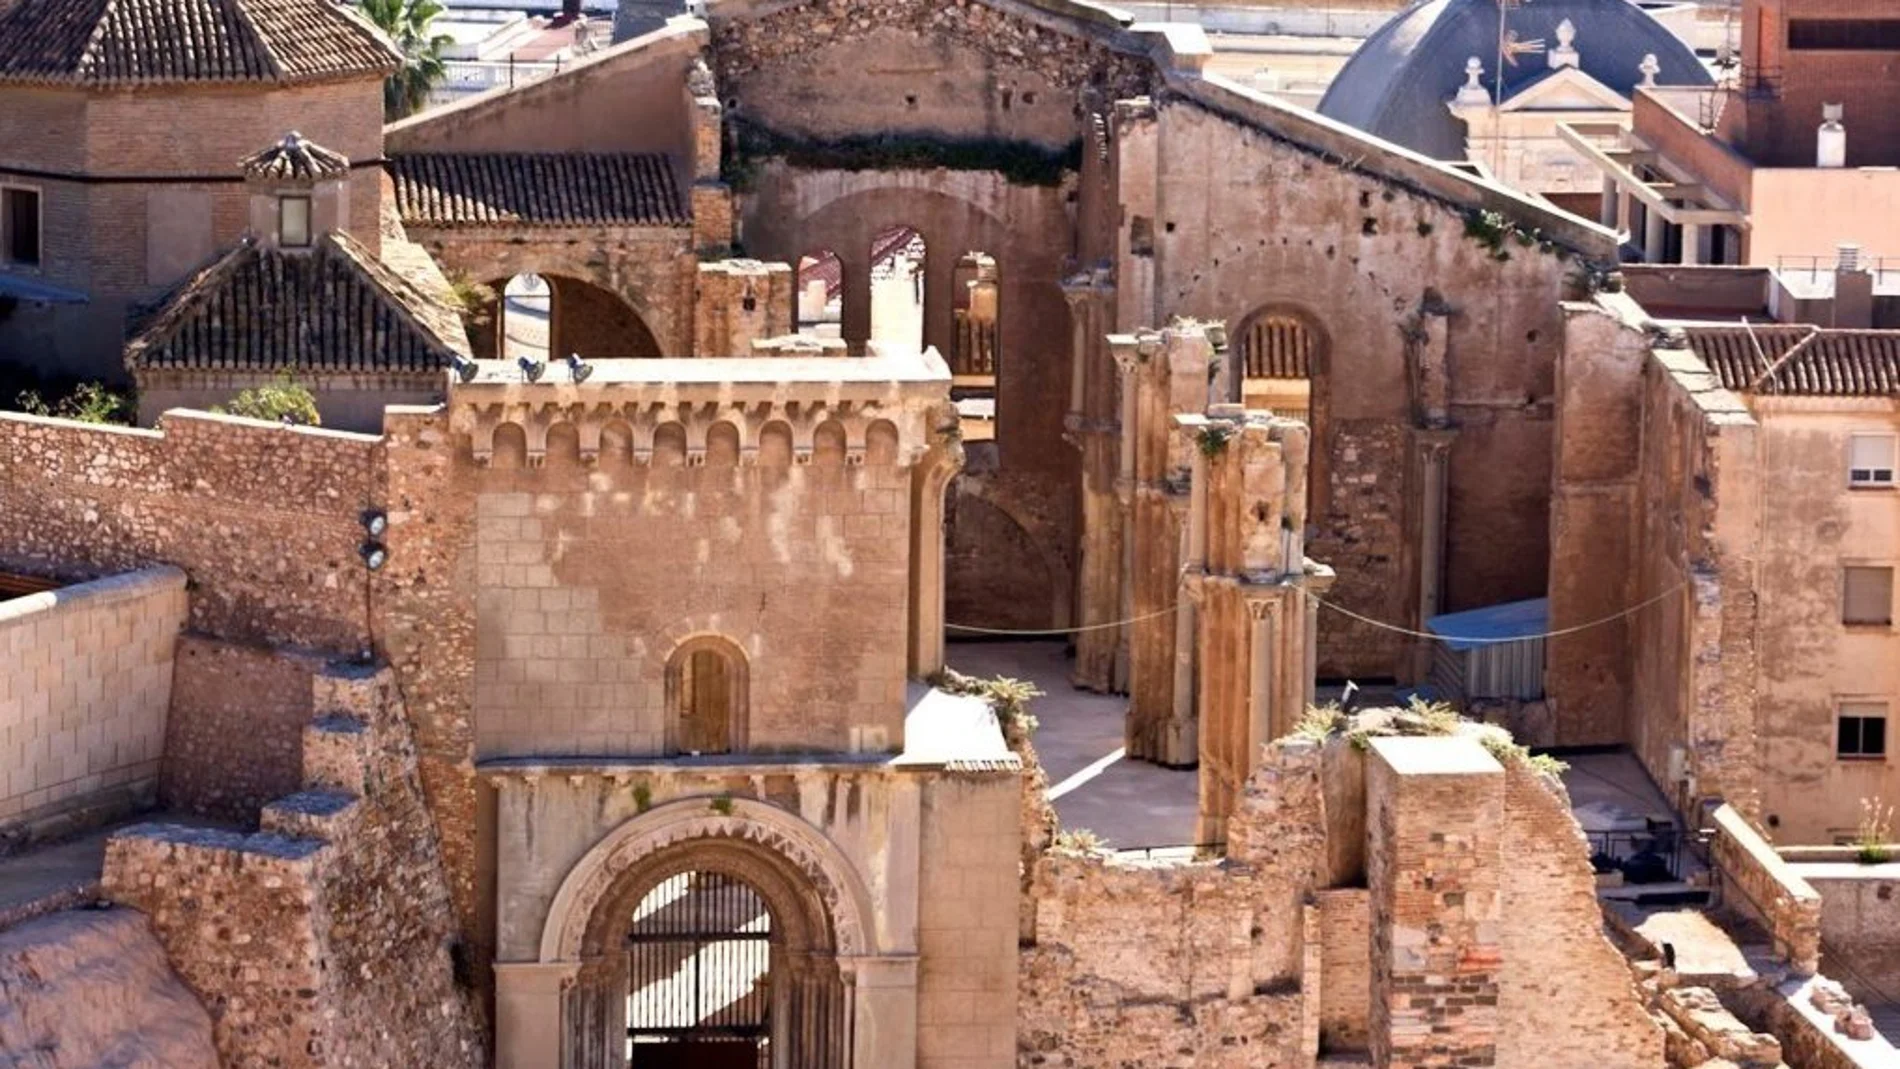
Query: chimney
[[1830, 142], [1853, 290]]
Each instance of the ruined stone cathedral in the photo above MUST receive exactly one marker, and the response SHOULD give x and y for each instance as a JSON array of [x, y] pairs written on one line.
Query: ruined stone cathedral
[[596, 709]]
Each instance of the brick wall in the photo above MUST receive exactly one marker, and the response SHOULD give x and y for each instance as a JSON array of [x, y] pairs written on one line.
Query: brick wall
[[234, 739], [1345, 968], [85, 675], [263, 519]]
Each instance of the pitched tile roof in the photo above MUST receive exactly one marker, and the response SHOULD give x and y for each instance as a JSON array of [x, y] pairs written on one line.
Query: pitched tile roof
[[537, 189], [144, 42], [295, 160], [332, 308], [1805, 361]]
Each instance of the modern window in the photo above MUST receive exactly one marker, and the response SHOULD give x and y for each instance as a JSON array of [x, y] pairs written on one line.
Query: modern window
[[20, 225], [1870, 459], [1861, 731], [1867, 595], [1844, 35], [293, 222]]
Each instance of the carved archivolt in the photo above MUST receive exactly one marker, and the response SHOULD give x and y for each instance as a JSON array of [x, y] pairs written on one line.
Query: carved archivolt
[[665, 838]]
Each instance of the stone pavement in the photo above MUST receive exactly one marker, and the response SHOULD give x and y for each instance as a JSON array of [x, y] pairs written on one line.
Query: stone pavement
[[1130, 803]]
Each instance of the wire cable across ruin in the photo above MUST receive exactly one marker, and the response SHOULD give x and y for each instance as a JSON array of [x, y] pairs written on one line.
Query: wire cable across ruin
[[1486, 640]]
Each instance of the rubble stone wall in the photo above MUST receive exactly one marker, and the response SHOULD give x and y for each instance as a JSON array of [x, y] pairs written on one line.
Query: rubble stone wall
[[323, 939], [234, 736], [1755, 883], [263, 519], [85, 676]]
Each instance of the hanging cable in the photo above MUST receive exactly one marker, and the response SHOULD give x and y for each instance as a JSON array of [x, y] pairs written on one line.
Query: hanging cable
[[1057, 630], [1490, 640]]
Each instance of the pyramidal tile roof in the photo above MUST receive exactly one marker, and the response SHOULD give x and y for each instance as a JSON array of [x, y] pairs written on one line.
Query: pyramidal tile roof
[[333, 307], [295, 159], [1800, 361], [155, 42]]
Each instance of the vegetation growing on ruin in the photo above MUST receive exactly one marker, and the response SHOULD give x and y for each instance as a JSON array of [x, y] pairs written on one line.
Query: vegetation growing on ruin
[[87, 402], [1008, 698], [282, 400], [1018, 162], [1870, 837], [1078, 842], [1213, 439], [722, 805], [1496, 233], [1417, 717]]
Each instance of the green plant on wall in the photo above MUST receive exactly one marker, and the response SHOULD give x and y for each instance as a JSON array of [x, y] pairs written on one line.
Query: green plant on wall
[[1871, 835], [282, 400], [1213, 439], [1018, 162], [722, 805]]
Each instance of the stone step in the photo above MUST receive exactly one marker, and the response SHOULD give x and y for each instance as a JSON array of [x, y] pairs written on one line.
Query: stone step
[[359, 691], [336, 750], [318, 813]]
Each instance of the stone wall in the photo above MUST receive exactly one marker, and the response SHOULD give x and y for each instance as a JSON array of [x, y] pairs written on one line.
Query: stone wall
[[85, 676], [333, 935], [1860, 927], [83, 989], [234, 737], [263, 519], [967, 891], [1755, 884]]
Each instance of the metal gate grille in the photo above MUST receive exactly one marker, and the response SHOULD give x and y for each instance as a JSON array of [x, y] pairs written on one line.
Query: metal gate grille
[[699, 963]]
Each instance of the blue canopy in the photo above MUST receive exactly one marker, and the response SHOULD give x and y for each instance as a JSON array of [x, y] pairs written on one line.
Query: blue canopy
[[1492, 624], [21, 288]]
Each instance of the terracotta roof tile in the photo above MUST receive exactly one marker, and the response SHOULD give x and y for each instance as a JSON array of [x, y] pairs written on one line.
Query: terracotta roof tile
[[331, 308], [138, 42], [537, 189], [295, 160], [1806, 361]]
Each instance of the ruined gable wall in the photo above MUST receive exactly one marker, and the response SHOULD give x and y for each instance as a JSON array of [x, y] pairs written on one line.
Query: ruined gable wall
[[263, 519], [968, 71], [1356, 254], [1566, 997]]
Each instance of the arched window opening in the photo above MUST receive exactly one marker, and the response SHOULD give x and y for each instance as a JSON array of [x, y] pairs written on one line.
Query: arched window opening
[[1276, 353], [974, 357], [820, 293], [707, 693], [527, 318], [897, 289]]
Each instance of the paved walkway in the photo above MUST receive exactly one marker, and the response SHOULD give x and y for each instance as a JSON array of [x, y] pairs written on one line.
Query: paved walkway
[[1132, 804], [66, 868]]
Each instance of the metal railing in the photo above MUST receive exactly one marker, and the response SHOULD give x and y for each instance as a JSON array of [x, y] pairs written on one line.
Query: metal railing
[[1653, 855], [1815, 268], [480, 75]]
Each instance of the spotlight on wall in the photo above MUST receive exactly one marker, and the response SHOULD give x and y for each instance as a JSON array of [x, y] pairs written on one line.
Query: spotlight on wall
[[375, 521], [464, 368], [531, 369], [579, 368], [374, 556]]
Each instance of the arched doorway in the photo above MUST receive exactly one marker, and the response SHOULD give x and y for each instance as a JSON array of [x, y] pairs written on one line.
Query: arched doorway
[[1284, 360], [545, 317], [707, 695]]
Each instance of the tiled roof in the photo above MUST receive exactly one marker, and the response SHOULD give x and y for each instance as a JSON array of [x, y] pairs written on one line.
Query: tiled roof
[[537, 189], [142, 42], [334, 307], [1806, 361], [295, 160]]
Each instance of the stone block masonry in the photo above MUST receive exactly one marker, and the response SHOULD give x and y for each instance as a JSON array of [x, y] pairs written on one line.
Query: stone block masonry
[[85, 677], [324, 938]]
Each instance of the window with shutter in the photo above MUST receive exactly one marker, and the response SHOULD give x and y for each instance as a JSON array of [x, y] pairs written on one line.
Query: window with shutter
[[1867, 595], [1870, 459], [1861, 731]]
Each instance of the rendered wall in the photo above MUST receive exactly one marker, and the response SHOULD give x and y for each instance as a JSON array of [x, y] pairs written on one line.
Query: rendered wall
[[85, 680]]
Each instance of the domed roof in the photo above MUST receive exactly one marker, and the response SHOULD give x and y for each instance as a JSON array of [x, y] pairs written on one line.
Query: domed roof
[[152, 42], [1398, 84]]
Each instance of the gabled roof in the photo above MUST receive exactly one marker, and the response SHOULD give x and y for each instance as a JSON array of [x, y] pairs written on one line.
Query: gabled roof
[[449, 189], [1564, 89], [1397, 85], [295, 160], [148, 42], [333, 307], [1805, 361]]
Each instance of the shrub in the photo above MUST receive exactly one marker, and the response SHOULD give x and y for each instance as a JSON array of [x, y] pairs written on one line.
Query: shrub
[[1079, 842], [89, 402], [284, 400], [1870, 838]]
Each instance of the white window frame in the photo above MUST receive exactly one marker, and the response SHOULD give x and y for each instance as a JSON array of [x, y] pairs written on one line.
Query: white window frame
[[1873, 477], [6, 235], [1864, 708], [309, 220]]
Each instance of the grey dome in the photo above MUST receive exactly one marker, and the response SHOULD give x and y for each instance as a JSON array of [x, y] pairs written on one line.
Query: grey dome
[[1397, 85]]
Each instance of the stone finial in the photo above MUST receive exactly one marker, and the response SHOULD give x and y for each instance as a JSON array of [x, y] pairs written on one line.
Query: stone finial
[[699, 80], [1649, 68], [1565, 54], [295, 160], [1473, 92], [584, 42]]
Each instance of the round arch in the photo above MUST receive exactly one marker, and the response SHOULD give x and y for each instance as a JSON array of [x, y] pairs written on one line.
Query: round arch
[[1286, 340], [795, 865]]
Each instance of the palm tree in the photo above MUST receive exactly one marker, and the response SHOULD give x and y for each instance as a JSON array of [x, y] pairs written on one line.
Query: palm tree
[[407, 24]]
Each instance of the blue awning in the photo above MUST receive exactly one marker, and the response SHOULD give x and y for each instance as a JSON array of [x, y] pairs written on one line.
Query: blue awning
[[1492, 624], [22, 288]]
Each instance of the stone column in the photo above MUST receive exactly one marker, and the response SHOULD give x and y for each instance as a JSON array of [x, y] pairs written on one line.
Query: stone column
[[1691, 243], [1654, 231], [1611, 208], [940, 273], [930, 481], [1623, 212], [1079, 294], [529, 1024], [1263, 714], [854, 269], [1433, 449], [1092, 426]]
